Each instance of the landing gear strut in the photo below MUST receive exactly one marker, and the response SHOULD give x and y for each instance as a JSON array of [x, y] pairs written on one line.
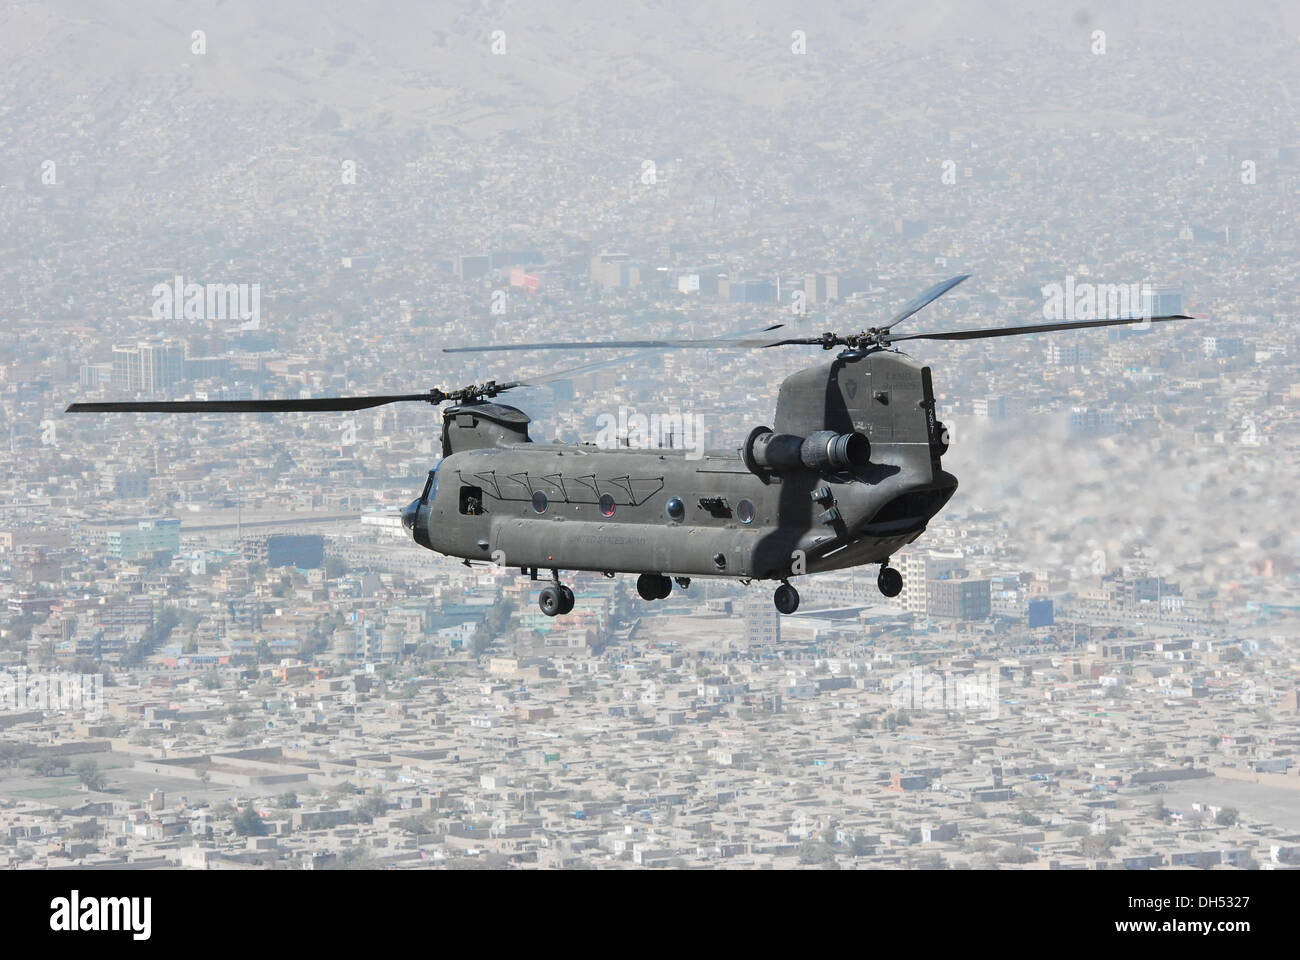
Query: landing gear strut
[[653, 586], [557, 599], [890, 581], [786, 599]]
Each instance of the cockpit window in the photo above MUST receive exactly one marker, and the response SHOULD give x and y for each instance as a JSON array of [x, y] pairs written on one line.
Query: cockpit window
[[430, 486], [471, 501]]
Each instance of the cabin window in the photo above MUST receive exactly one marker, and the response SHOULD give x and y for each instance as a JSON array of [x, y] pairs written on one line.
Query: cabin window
[[539, 502], [606, 505], [675, 508], [716, 506], [471, 501], [745, 511]]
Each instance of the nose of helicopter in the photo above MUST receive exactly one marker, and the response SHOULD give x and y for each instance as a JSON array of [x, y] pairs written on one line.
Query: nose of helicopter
[[409, 515]]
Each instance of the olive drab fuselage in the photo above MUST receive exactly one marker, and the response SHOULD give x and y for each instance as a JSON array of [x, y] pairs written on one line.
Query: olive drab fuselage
[[759, 511]]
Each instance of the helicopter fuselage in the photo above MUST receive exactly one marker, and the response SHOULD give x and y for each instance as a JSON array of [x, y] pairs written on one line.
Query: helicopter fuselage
[[761, 511]]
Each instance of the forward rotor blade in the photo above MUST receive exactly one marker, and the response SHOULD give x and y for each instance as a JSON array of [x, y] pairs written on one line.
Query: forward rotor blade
[[1033, 328], [299, 405], [922, 299]]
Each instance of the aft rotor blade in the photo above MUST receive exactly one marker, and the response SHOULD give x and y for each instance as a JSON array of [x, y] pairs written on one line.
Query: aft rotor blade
[[570, 372], [741, 343], [294, 405], [922, 299], [1033, 328]]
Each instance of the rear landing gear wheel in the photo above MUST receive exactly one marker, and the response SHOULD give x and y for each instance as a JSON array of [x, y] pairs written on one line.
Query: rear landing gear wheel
[[652, 586], [786, 599], [550, 601], [890, 582], [566, 599]]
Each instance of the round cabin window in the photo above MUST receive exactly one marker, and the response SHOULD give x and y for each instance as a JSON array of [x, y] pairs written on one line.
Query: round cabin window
[[539, 502], [745, 511], [676, 509], [606, 505]]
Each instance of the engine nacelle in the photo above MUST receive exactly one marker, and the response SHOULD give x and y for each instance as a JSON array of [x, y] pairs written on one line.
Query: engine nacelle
[[824, 452], [829, 452]]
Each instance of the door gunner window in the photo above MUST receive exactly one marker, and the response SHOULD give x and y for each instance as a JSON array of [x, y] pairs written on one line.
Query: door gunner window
[[471, 501]]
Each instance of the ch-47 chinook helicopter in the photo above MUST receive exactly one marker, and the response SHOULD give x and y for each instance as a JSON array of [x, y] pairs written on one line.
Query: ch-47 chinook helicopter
[[848, 474]]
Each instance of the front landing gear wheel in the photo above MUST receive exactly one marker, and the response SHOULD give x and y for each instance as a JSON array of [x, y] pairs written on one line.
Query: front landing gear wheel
[[550, 601], [652, 586], [566, 599], [890, 582], [786, 599]]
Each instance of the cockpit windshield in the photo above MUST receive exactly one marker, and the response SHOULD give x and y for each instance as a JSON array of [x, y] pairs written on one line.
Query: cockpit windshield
[[430, 486]]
